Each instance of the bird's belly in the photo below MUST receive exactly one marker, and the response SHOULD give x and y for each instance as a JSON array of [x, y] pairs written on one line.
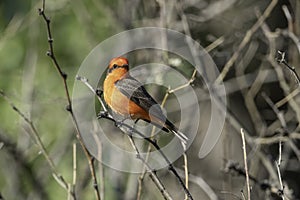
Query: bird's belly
[[122, 105]]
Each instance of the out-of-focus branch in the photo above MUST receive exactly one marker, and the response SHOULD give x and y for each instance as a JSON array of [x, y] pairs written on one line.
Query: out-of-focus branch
[[36, 138], [276, 139], [245, 41], [288, 97], [23, 168]]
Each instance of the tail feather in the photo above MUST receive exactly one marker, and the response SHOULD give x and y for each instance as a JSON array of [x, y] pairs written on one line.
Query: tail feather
[[181, 136], [169, 126]]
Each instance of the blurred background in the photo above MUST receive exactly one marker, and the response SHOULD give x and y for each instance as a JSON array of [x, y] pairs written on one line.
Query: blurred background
[[262, 94]]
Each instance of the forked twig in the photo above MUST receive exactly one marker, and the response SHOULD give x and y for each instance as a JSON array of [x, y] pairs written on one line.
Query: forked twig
[[281, 60]]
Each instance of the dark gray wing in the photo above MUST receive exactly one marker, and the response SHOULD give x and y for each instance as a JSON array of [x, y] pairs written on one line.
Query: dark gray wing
[[134, 90]]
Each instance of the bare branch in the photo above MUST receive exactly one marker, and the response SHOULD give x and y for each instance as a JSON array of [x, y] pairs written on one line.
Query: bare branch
[[63, 75], [153, 176]]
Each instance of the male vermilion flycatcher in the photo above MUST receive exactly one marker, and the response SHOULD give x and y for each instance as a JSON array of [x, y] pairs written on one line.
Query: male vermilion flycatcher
[[126, 96]]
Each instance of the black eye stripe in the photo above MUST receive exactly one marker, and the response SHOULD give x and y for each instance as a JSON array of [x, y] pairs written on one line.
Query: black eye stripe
[[115, 66]]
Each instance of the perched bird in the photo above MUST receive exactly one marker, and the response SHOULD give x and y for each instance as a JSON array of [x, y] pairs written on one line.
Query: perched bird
[[128, 97]]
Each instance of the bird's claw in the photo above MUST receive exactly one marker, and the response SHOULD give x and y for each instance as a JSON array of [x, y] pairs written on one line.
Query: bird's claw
[[102, 114], [118, 124], [99, 92]]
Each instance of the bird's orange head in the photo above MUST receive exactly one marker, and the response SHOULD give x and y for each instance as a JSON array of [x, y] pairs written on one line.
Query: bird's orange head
[[117, 63]]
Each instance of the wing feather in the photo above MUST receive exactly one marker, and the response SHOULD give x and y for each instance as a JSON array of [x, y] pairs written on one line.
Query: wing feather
[[134, 90]]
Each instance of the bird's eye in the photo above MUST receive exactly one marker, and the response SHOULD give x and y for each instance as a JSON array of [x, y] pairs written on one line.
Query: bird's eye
[[115, 66]]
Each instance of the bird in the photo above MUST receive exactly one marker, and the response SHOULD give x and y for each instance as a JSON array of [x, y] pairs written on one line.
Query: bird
[[127, 97]]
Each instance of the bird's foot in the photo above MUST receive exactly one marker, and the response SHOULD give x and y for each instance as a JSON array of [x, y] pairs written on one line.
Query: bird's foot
[[99, 92], [119, 123], [102, 114]]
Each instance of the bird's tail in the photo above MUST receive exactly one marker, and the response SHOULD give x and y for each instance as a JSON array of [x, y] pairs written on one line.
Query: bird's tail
[[180, 136]]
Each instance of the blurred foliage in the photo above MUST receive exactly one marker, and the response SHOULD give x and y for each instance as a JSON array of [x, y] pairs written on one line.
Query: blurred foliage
[[31, 82]]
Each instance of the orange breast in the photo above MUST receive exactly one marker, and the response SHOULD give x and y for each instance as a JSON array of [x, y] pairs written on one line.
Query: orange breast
[[120, 103]]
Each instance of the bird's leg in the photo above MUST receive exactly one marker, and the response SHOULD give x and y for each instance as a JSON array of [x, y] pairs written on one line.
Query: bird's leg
[[119, 123], [135, 121]]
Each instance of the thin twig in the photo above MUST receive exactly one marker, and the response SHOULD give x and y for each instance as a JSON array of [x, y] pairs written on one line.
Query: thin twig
[[281, 60], [58, 177], [245, 163], [278, 113], [63, 75], [198, 180], [289, 17], [243, 196], [99, 156], [288, 97], [74, 165], [153, 175], [264, 185], [156, 146], [98, 93], [283, 124], [245, 41], [277, 163], [142, 176], [72, 186], [23, 166], [186, 172]]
